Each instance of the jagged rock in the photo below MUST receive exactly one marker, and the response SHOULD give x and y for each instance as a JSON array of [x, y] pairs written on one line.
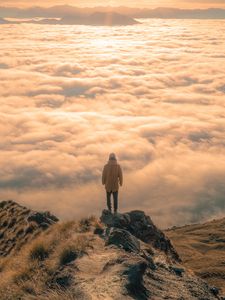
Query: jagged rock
[[123, 239], [99, 231], [115, 220], [215, 291], [148, 256], [142, 227], [41, 218], [178, 271], [134, 285]]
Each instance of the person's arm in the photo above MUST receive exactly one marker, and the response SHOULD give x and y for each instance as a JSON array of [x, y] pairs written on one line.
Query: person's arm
[[104, 175], [120, 176]]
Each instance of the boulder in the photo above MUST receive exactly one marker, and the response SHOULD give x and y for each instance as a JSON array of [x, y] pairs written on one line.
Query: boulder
[[123, 239], [115, 220], [42, 218]]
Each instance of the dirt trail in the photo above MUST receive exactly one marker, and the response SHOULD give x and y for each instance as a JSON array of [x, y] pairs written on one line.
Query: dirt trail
[[92, 276]]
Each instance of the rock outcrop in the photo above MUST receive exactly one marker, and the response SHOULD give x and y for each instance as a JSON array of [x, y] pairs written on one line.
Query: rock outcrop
[[151, 268], [123, 239], [18, 225], [142, 227], [123, 257]]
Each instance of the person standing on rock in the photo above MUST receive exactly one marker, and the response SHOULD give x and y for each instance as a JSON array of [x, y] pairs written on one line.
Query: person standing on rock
[[112, 178]]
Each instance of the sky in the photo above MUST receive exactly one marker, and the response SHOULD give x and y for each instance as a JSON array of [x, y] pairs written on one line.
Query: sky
[[152, 93], [132, 3]]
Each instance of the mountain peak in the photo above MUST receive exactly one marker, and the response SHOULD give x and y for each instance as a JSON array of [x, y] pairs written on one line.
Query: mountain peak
[[121, 256]]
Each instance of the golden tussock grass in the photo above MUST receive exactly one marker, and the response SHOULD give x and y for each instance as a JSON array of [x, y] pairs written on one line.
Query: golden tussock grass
[[24, 276]]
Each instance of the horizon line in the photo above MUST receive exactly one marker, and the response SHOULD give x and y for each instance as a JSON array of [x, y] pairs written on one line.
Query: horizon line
[[112, 7]]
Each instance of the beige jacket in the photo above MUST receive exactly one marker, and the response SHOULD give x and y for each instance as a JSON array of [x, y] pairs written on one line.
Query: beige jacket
[[112, 176]]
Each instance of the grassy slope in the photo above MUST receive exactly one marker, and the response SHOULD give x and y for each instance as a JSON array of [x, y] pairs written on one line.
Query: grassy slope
[[54, 266], [202, 248], [24, 276]]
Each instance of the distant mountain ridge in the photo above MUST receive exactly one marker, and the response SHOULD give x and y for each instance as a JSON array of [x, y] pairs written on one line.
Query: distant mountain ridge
[[93, 19], [61, 11]]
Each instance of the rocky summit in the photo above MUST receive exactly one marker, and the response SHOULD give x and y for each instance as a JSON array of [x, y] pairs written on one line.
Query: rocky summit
[[140, 226], [119, 256]]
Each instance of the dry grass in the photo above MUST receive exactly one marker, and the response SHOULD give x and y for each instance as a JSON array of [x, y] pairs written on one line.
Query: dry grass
[[39, 251], [202, 248], [59, 295], [25, 275], [86, 224], [73, 249]]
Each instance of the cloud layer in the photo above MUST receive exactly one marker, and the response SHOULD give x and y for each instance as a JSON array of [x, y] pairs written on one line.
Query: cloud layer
[[153, 93]]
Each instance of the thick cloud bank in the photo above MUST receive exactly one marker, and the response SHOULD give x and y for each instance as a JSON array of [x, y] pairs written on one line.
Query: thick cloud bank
[[152, 93]]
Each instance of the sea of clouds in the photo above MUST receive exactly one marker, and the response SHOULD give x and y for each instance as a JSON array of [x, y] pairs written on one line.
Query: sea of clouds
[[153, 93]]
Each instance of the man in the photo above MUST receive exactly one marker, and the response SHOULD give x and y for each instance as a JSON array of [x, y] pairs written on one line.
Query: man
[[112, 177]]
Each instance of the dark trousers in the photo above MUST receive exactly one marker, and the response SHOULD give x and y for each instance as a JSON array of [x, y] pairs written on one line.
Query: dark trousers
[[115, 200]]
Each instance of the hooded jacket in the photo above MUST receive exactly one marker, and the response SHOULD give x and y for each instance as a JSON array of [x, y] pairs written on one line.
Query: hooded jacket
[[112, 176]]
